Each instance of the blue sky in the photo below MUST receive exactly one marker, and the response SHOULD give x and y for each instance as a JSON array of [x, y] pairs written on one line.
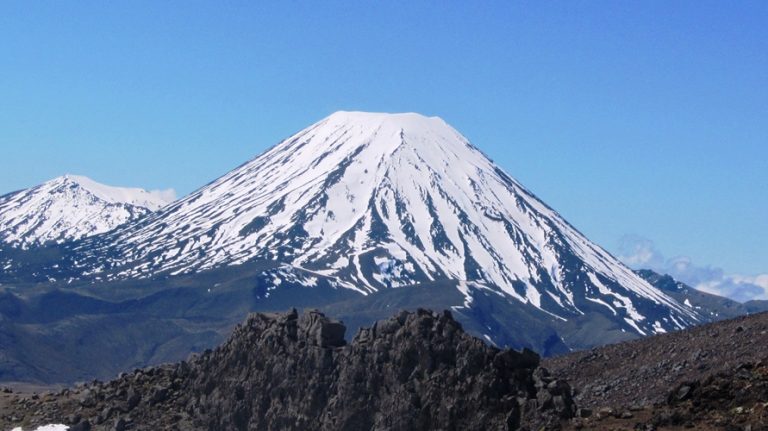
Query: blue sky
[[629, 117]]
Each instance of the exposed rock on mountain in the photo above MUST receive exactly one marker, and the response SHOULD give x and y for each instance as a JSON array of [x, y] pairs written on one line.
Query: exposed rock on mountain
[[289, 371]]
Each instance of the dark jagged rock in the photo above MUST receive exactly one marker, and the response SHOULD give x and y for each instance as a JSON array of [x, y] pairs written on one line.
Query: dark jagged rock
[[416, 370]]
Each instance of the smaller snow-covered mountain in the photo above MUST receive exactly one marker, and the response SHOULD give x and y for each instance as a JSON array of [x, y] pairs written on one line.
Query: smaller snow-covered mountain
[[72, 207]]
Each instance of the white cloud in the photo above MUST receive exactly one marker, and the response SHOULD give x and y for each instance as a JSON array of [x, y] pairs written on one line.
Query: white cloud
[[167, 195], [641, 253]]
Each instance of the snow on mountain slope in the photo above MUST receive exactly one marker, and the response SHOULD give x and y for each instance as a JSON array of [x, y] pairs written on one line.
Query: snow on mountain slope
[[71, 207], [151, 200], [388, 200]]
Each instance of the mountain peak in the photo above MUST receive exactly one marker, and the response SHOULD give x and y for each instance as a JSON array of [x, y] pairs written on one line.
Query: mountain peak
[[390, 128], [71, 207], [151, 200], [381, 117], [379, 143]]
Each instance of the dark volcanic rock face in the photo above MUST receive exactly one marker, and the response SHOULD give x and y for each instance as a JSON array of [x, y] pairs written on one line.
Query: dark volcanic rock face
[[414, 371], [289, 371]]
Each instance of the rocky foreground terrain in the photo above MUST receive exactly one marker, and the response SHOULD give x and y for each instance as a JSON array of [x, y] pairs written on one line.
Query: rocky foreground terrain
[[644, 371], [711, 377], [417, 370], [420, 370]]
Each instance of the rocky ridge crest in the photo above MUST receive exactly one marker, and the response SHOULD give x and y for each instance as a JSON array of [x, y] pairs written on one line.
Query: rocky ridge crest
[[416, 370]]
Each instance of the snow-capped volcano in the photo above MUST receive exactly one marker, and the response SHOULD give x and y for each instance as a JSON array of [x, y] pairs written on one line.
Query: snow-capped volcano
[[72, 207], [376, 201]]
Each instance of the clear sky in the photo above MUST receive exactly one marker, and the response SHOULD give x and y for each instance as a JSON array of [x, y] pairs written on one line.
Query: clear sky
[[629, 117]]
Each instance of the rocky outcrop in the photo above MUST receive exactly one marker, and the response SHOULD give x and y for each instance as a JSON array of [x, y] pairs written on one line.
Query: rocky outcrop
[[417, 370]]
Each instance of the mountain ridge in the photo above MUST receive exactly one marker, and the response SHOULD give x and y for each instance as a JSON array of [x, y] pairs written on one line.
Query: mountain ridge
[[71, 207]]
